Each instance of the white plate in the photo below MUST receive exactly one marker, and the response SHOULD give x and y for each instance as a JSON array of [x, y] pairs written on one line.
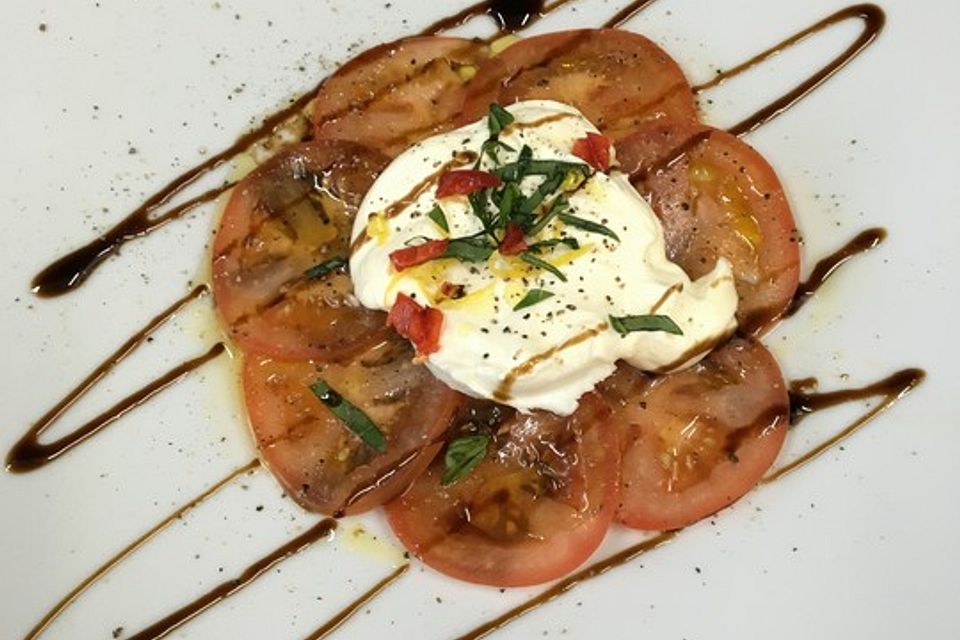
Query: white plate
[[112, 99]]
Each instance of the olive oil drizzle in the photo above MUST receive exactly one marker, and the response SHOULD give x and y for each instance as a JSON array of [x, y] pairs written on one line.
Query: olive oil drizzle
[[128, 550], [29, 453]]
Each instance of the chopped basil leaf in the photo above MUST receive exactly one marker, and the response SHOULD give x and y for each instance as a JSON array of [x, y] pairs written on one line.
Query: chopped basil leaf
[[499, 119], [463, 454], [587, 225], [628, 324], [548, 186], [491, 148], [509, 196], [529, 258], [355, 419], [533, 297], [436, 214], [552, 242], [558, 205], [327, 266], [469, 249], [529, 167]]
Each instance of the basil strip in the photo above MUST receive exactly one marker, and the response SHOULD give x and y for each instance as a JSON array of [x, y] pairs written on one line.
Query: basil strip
[[558, 205], [628, 324], [588, 225], [324, 268], [533, 297], [529, 258], [469, 249], [436, 214], [548, 186], [528, 167], [352, 416], [463, 454], [544, 244], [499, 119]]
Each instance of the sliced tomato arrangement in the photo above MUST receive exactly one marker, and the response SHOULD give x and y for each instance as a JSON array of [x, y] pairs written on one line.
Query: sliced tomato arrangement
[[617, 79], [398, 93], [716, 196], [321, 463], [533, 510], [292, 214], [693, 442], [654, 452]]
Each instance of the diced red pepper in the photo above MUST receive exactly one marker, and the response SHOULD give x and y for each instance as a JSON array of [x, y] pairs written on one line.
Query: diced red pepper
[[417, 254], [420, 325], [513, 241], [465, 181], [594, 149]]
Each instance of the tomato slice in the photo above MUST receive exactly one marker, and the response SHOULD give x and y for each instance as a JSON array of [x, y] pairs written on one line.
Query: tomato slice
[[693, 442], [618, 79], [397, 93], [317, 459], [720, 198], [291, 214], [513, 241], [534, 509]]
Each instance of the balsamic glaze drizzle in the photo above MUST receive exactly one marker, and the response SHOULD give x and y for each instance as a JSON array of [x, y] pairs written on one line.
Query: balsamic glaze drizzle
[[29, 453], [67, 273]]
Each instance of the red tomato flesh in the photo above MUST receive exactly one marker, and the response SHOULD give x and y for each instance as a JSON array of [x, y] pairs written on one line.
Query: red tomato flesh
[[513, 241], [463, 182], [594, 149], [420, 325], [693, 442], [418, 254], [533, 510]]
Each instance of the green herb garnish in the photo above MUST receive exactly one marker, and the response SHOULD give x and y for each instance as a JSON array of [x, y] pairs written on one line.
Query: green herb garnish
[[469, 249], [499, 119], [628, 324], [558, 205], [552, 242], [588, 225], [529, 258], [463, 454], [351, 415], [436, 214], [533, 297], [327, 266]]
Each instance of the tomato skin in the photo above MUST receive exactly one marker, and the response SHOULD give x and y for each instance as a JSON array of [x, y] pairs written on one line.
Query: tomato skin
[[418, 254], [716, 196], [398, 93], [292, 213], [594, 149], [462, 182], [617, 79], [513, 241], [421, 325], [532, 511], [314, 456], [694, 442]]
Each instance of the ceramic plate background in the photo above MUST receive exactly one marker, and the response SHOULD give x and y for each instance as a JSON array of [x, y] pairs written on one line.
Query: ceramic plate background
[[103, 102]]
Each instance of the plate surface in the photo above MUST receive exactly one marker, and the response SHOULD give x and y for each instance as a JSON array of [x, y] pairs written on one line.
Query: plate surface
[[104, 102]]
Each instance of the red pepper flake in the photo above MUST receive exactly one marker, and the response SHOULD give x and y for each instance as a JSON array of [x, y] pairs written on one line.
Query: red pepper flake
[[464, 182], [452, 291], [417, 254], [420, 325], [594, 149], [513, 241]]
